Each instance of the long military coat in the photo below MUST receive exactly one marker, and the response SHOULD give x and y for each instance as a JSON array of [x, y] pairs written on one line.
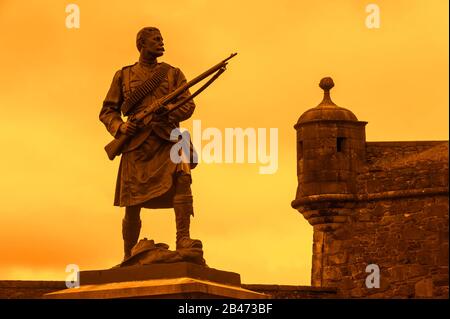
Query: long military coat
[[146, 172]]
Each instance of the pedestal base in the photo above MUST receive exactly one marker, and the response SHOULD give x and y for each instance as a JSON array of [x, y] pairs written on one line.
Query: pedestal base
[[179, 288], [159, 271], [175, 280]]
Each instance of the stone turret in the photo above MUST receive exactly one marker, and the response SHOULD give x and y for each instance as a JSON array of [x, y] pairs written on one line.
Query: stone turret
[[330, 151], [379, 210]]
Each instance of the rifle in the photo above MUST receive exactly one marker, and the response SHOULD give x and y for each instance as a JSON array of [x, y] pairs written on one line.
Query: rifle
[[114, 148]]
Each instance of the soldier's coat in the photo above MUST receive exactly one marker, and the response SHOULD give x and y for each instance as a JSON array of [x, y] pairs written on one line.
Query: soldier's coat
[[146, 172]]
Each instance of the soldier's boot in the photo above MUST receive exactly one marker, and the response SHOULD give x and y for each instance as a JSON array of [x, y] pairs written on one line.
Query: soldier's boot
[[130, 234], [183, 211]]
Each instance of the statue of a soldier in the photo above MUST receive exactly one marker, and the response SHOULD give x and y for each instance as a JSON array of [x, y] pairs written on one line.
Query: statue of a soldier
[[147, 176]]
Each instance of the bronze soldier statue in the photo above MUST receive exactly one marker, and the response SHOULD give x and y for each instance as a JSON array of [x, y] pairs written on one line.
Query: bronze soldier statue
[[147, 176]]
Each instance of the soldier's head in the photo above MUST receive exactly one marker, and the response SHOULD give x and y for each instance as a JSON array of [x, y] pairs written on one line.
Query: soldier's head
[[150, 43]]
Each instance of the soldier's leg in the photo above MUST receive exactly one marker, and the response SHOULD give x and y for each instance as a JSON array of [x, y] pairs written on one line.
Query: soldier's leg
[[131, 227], [182, 204]]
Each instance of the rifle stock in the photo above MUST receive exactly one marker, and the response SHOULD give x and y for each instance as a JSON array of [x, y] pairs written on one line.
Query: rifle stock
[[114, 147]]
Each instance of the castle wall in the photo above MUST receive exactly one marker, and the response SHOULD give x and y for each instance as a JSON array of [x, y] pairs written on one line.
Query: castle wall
[[399, 222], [407, 239], [28, 289], [404, 166]]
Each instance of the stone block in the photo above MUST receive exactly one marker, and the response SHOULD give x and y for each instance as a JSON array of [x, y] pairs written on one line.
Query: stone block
[[443, 255], [333, 188], [311, 176], [414, 271], [378, 211], [424, 258], [387, 220], [398, 273], [424, 288], [364, 217], [357, 292], [326, 130], [331, 273], [177, 288], [318, 237], [338, 259], [335, 246], [311, 189], [403, 291], [347, 284], [437, 210], [159, 271], [413, 232], [326, 175], [440, 280]]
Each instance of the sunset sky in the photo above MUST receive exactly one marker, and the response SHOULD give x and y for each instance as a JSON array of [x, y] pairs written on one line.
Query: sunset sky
[[57, 183]]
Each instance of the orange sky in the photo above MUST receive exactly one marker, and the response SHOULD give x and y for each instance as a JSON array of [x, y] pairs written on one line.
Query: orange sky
[[57, 184]]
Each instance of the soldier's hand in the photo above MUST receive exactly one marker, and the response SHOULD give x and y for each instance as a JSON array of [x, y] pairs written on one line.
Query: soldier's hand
[[128, 128]]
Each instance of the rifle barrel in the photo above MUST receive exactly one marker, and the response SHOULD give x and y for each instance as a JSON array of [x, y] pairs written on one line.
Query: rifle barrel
[[115, 146], [232, 55], [195, 80]]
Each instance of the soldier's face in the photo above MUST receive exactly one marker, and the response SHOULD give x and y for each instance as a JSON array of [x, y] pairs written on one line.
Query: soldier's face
[[153, 44]]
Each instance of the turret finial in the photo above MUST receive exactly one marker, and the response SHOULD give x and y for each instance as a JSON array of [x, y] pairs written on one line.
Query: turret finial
[[326, 84]]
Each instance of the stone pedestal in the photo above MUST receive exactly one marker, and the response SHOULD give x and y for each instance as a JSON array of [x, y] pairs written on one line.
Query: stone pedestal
[[176, 280]]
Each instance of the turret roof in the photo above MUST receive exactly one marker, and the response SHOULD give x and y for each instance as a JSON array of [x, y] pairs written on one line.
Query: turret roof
[[327, 110]]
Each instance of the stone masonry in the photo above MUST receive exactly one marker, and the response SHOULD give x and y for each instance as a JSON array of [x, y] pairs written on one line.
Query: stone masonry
[[381, 203]]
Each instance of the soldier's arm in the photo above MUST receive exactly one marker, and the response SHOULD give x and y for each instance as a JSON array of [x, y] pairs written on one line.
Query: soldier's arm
[[110, 113], [184, 112]]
